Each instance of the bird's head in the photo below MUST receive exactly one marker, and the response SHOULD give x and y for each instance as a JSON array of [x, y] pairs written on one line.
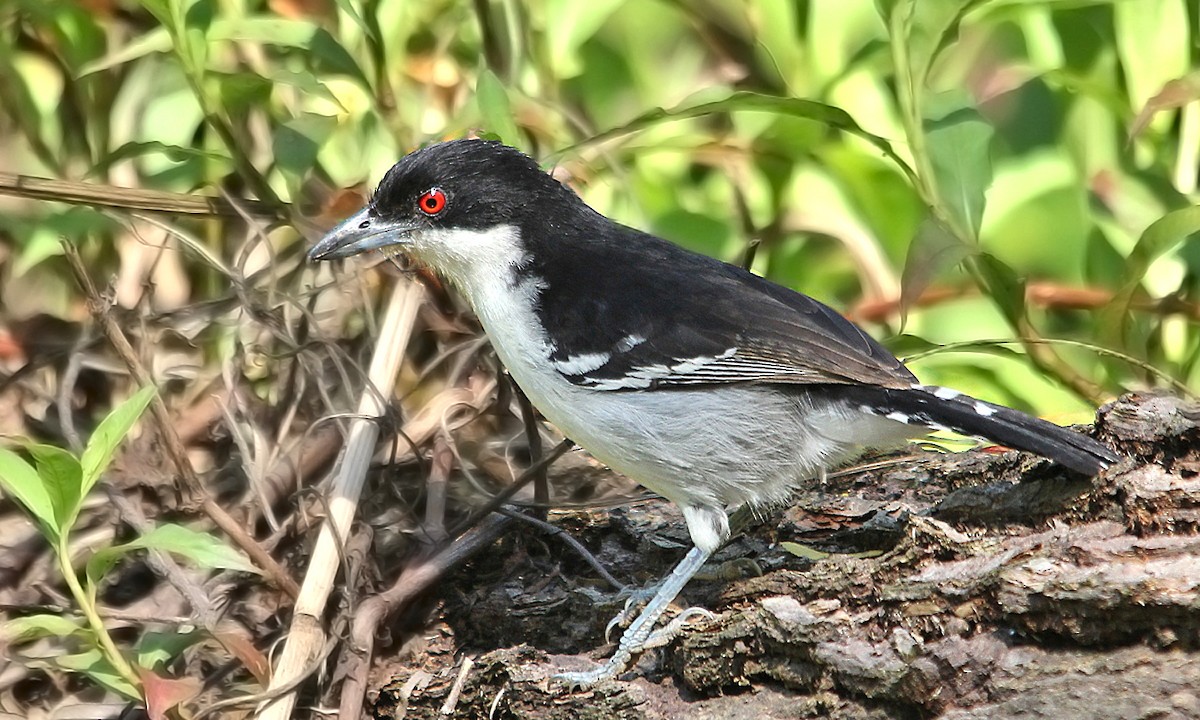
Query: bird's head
[[453, 203]]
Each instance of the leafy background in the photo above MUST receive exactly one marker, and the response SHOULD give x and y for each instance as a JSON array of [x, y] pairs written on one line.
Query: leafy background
[[1000, 189], [1017, 118]]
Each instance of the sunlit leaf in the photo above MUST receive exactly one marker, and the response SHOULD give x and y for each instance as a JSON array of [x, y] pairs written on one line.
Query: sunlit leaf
[[1160, 237], [31, 627], [93, 665], [305, 82], [63, 479], [19, 480], [109, 435], [745, 101], [16, 95], [200, 548], [305, 35], [495, 108], [158, 648], [570, 24], [958, 141], [155, 40], [920, 30], [298, 141], [197, 19], [160, 9], [804, 551], [776, 23], [300, 34], [1152, 40]]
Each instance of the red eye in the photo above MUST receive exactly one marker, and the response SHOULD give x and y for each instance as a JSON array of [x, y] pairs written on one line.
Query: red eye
[[432, 201]]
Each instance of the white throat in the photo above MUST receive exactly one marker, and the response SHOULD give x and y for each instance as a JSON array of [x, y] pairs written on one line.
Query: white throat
[[482, 265]]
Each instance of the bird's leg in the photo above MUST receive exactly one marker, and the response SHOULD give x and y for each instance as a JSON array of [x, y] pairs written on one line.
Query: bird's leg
[[633, 641]]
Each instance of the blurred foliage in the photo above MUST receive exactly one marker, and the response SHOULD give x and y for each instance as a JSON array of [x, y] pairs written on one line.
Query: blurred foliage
[[984, 152]]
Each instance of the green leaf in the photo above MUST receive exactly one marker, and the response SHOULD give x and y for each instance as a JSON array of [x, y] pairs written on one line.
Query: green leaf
[[240, 91], [157, 40], [745, 101], [775, 30], [32, 627], [201, 548], [570, 23], [176, 153], [161, 10], [63, 479], [350, 7], [912, 348], [1152, 40], [42, 238], [305, 82], [193, 49], [804, 551], [920, 30], [298, 141], [109, 435], [158, 648], [958, 142], [933, 249], [92, 664], [1003, 286], [17, 97], [1162, 236], [495, 108], [19, 480], [315, 41]]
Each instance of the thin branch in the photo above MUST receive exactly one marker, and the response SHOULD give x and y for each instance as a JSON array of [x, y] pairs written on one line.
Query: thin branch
[[81, 193]]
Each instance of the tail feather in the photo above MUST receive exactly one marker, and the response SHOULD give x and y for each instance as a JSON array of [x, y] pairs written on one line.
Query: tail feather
[[943, 408]]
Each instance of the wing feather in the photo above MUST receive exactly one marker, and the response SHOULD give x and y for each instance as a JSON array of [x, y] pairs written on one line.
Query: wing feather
[[686, 319]]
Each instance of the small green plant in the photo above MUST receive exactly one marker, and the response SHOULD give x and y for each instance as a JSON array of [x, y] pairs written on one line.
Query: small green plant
[[52, 489]]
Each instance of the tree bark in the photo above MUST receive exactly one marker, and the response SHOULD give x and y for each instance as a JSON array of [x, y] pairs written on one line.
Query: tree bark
[[976, 585]]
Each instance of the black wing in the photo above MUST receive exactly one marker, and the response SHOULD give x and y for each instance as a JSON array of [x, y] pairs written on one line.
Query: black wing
[[681, 319]]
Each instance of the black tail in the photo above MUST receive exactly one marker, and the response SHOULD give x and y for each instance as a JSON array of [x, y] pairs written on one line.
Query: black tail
[[946, 409]]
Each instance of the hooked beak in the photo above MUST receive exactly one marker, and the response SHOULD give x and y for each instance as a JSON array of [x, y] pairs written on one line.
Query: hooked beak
[[359, 233]]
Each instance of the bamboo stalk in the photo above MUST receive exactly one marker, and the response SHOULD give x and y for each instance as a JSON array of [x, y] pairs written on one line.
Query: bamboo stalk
[[307, 636]]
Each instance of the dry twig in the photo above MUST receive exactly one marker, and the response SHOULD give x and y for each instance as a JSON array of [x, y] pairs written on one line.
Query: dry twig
[[307, 636]]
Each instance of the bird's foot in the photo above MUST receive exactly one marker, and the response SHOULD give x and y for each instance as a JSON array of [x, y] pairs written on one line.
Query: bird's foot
[[664, 635], [632, 644], [642, 628], [633, 603], [589, 678]]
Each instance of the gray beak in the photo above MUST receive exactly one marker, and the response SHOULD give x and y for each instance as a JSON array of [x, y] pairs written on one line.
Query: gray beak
[[359, 233]]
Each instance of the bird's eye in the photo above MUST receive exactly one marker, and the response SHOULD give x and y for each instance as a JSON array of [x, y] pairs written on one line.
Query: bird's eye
[[432, 201]]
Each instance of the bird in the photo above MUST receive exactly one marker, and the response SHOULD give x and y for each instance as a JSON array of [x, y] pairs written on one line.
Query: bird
[[707, 384]]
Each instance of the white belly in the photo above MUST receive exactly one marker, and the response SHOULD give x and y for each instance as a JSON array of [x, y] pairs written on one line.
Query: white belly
[[714, 446]]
